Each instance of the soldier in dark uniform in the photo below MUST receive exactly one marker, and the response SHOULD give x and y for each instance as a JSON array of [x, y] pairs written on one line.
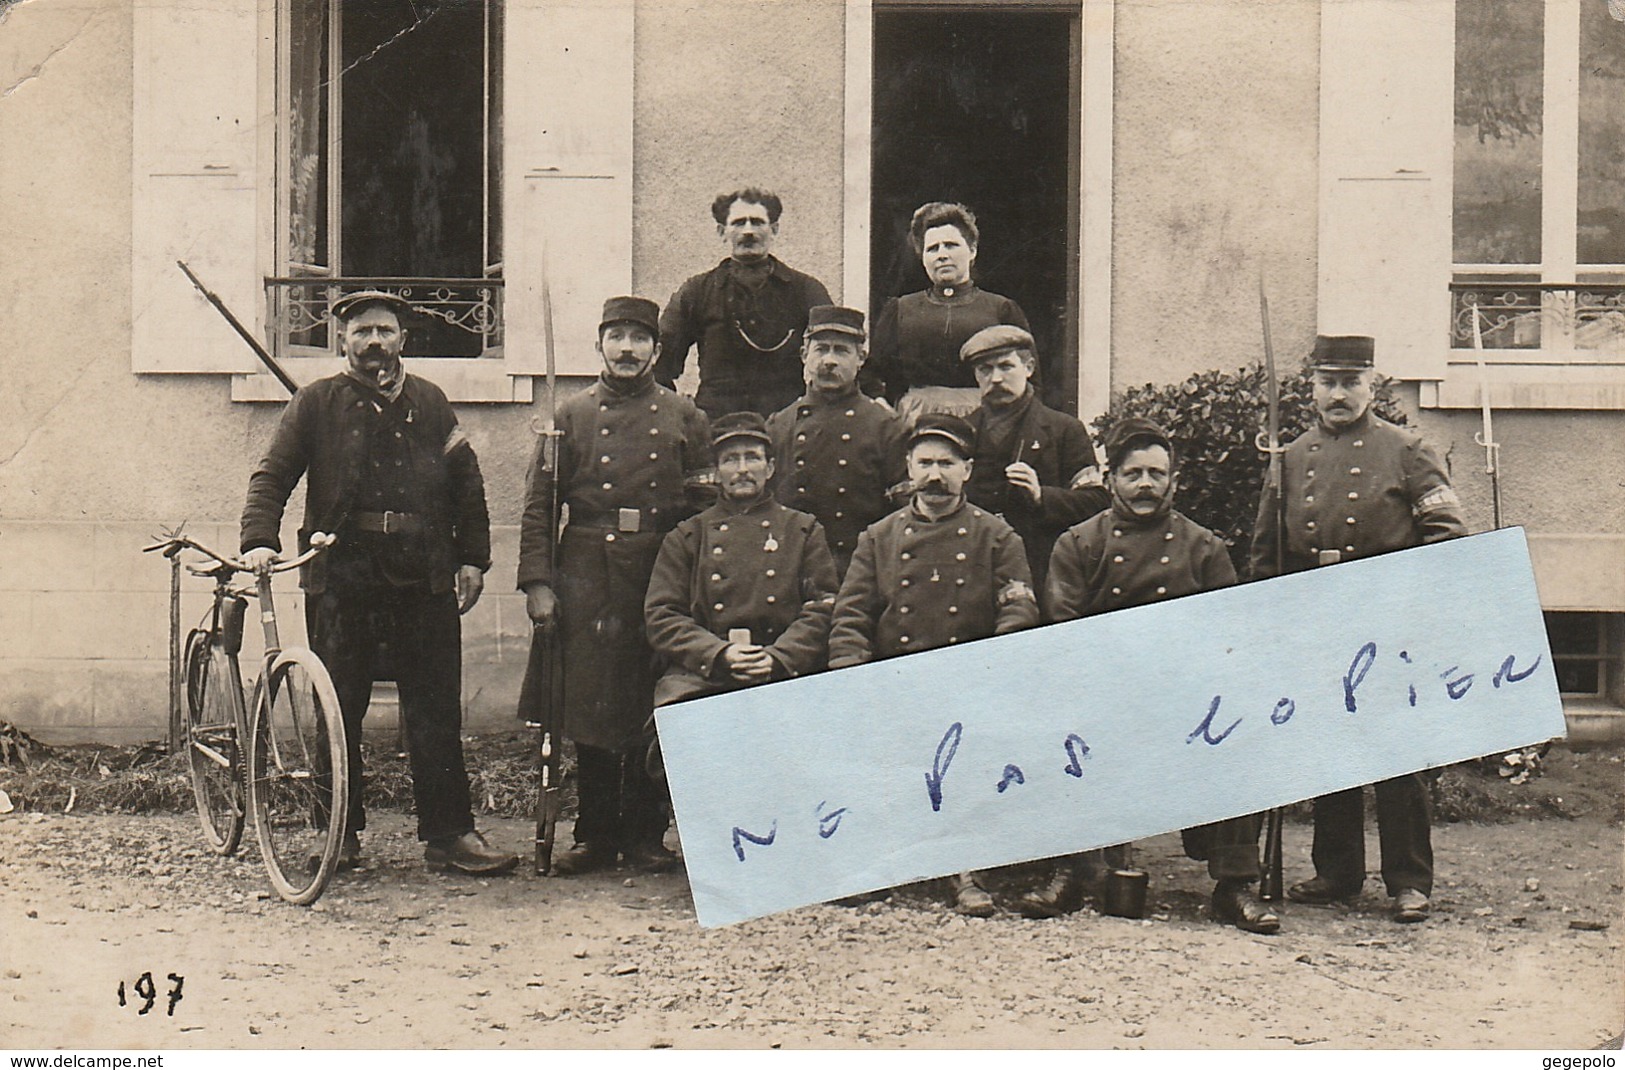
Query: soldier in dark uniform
[[839, 451], [743, 592], [1141, 551], [1035, 467], [627, 448], [746, 315], [1353, 486], [394, 476], [938, 571]]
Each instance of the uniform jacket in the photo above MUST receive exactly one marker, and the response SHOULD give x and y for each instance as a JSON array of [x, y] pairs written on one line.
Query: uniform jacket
[[767, 569], [324, 436], [1058, 448], [916, 584], [917, 337], [711, 310], [835, 459], [617, 451], [1112, 561], [1367, 489]]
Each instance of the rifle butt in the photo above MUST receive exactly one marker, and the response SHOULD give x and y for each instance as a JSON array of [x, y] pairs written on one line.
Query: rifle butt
[[1270, 882]]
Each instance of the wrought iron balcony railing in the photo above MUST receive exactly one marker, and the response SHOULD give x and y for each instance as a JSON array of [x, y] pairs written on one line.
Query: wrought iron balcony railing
[[1586, 319], [456, 317]]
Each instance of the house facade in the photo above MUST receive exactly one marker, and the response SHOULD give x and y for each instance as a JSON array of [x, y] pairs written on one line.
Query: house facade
[[1387, 167]]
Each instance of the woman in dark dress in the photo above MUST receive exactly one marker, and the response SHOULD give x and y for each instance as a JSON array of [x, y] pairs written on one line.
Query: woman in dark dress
[[917, 336]]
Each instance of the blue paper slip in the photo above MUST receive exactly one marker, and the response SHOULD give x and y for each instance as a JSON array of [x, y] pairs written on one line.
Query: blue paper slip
[[1108, 729]]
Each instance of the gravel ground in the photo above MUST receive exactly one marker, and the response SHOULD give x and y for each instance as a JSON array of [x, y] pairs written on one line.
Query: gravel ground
[[395, 956]]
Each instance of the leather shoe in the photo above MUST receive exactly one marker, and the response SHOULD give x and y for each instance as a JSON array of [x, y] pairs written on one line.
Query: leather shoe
[[971, 900], [1410, 906], [650, 857], [583, 858], [1062, 894], [1235, 904], [1318, 891], [349, 855], [469, 853]]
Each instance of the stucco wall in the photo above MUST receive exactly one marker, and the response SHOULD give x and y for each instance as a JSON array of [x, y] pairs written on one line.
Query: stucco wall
[[1214, 175]]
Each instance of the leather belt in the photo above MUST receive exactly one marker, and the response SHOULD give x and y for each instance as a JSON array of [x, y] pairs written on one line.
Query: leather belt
[[387, 522], [626, 520]]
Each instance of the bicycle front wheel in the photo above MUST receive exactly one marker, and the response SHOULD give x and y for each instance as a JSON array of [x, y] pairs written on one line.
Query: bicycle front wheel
[[299, 775], [214, 719]]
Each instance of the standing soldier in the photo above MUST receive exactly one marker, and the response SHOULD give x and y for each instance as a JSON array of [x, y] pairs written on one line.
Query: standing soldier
[[938, 571], [840, 451], [746, 315], [627, 445], [390, 471], [1035, 467], [1143, 551], [1353, 486], [743, 592]]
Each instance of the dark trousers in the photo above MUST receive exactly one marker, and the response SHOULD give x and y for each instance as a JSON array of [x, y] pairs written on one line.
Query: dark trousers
[[619, 804], [424, 634], [1229, 847], [1404, 831]]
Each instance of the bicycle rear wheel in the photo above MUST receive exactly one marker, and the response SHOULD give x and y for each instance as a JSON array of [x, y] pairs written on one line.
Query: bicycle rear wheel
[[214, 718], [299, 775]]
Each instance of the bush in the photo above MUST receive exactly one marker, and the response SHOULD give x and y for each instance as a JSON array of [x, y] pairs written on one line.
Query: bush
[[1213, 417]]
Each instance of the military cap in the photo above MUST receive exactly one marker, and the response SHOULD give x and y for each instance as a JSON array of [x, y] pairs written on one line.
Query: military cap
[[822, 318], [351, 303], [638, 310], [994, 340], [740, 425], [949, 428], [1134, 432], [1343, 352]]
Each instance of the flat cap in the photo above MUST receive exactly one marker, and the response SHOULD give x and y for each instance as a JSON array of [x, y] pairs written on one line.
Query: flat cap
[[994, 340], [834, 318], [740, 425], [639, 310], [948, 428], [1134, 432], [351, 303], [1346, 352]]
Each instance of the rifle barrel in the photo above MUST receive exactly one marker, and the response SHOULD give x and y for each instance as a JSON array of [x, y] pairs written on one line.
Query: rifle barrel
[[243, 332]]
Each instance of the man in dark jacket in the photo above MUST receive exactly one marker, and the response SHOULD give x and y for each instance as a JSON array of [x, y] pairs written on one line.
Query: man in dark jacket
[[746, 315], [1352, 486], [1140, 551], [838, 452], [743, 592], [392, 474], [627, 448], [1035, 467]]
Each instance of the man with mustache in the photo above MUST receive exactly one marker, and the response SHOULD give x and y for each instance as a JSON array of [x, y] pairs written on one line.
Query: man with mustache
[[937, 572], [1353, 486], [746, 314], [840, 451], [1035, 467], [743, 592], [627, 449], [1142, 551], [391, 473]]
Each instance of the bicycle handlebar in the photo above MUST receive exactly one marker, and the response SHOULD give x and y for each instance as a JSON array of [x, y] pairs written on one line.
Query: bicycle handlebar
[[319, 541]]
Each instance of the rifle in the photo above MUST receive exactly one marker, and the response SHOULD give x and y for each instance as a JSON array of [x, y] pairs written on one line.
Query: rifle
[[253, 343], [1486, 437], [545, 673], [1269, 885]]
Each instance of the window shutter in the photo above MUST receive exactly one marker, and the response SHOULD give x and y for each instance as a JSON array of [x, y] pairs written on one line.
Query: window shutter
[[193, 183], [567, 174], [1387, 70]]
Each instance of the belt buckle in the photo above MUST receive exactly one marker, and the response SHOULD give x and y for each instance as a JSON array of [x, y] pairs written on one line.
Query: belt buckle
[[628, 520], [390, 522], [1330, 557]]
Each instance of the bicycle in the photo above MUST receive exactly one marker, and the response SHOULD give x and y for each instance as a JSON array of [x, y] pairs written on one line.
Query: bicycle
[[295, 774]]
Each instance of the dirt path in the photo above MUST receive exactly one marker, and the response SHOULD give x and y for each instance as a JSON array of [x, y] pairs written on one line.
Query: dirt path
[[396, 956]]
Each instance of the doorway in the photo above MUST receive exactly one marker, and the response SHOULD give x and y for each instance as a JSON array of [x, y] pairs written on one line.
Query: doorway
[[980, 105]]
